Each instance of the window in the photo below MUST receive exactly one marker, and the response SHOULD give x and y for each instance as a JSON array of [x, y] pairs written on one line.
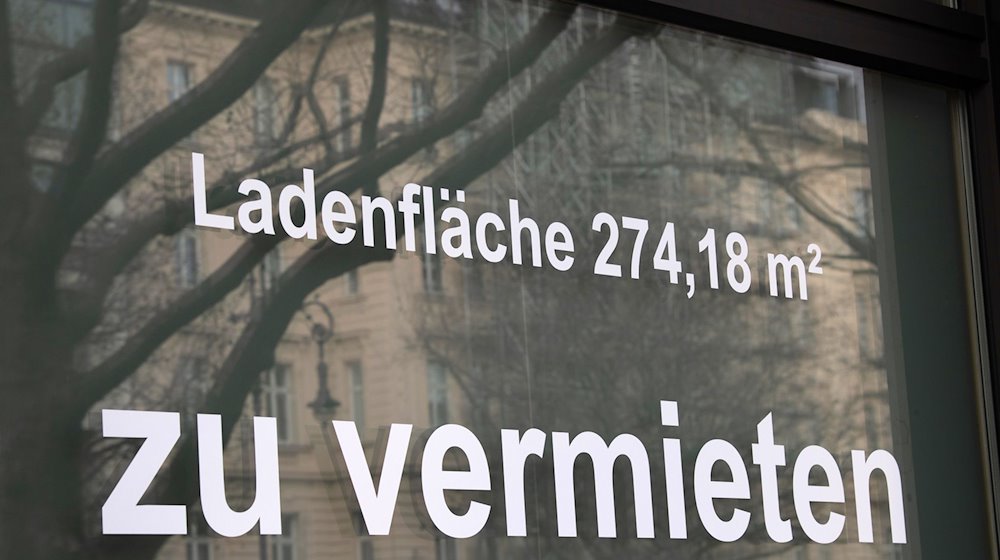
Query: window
[[437, 394], [352, 281], [188, 265], [178, 79], [422, 93], [270, 271], [473, 280], [430, 270], [863, 214], [178, 83], [422, 97], [283, 545], [190, 379], [357, 394], [265, 103], [344, 139], [366, 548], [42, 174], [869, 312], [276, 396], [60, 24], [199, 538], [444, 549]]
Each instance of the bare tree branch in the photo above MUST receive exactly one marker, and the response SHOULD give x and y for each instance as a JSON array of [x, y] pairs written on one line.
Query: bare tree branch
[[789, 182], [230, 80], [8, 98], [20, 198], [255, 347], [93, 124], [306, 89], [67, 65], [139, 347], [376, 96]]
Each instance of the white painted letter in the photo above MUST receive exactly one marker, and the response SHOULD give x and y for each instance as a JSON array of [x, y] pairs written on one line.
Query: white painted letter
[[516, 451], [884, 461], [676, 510], [376, 507], [121, 514], [266, 505], [262, 205], [603, 457], [332, 218], [307, 194], [769, 457], [435, 480], [805, 494], [201, 215], [706, 490]]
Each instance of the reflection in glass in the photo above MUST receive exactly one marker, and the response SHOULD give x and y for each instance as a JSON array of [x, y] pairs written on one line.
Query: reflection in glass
[[569, 110]]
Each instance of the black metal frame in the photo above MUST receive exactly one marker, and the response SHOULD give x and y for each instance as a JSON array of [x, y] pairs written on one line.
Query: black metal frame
[[957, 48]]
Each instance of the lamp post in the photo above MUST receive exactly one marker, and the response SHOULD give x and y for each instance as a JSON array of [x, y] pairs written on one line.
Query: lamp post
[[324, 406]]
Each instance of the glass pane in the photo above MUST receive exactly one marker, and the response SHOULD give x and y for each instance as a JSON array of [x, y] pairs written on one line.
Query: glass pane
[[631, 291]]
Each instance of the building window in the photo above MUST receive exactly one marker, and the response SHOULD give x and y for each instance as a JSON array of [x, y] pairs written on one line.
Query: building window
[[366, 548], [437, 394], [188, 265], [178, 83], [352, 282], [357, 378], [190, 378], [473, 277], [276, 396], [199, 538], [863, 214], [444, 549], [270, 270], [430, 270], [265, 102], [42, 174], [283, 545], [178, 79], [869, 311], [344, 139], [422, 92]]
